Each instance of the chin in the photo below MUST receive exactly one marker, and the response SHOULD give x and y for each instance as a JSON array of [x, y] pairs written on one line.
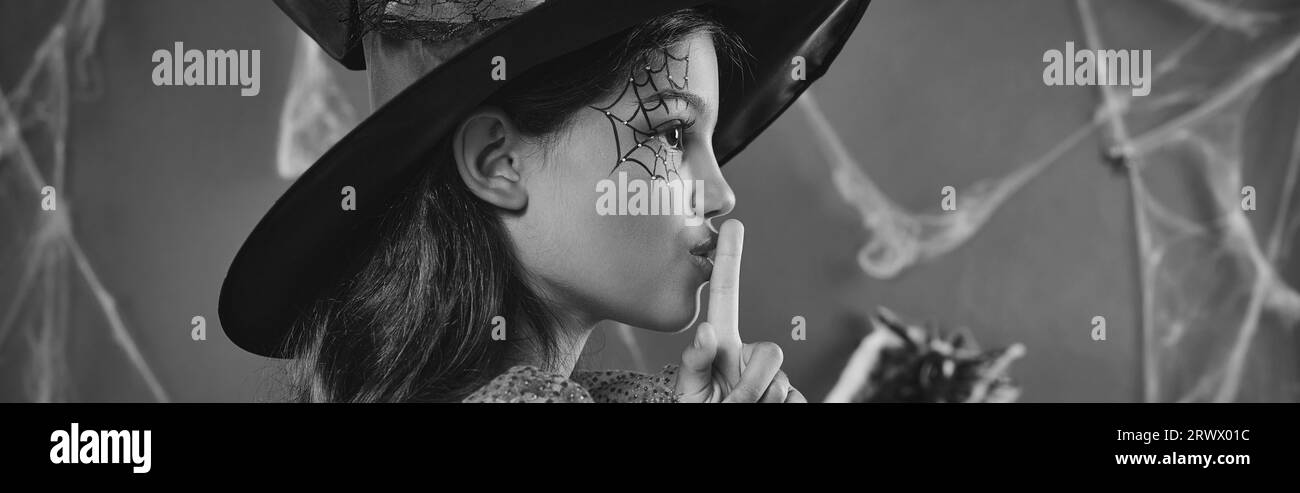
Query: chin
[[676, 314], [668, 307]]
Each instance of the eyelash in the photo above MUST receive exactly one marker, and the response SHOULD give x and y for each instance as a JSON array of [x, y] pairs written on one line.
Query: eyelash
[[675, 126]]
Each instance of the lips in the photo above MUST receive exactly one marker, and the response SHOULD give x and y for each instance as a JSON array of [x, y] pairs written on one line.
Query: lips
[[706, 248]]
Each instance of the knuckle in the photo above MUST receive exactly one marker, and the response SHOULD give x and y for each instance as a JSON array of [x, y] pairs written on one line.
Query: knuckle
[[777, 392], [778, 387], [726, 285], [795, 396], [745, 394], [769, 350]]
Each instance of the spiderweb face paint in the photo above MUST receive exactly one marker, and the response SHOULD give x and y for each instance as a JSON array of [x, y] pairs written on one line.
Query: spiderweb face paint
[[654, 147]]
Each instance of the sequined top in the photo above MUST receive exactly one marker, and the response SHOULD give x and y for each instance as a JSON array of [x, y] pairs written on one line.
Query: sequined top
[[526, 383]]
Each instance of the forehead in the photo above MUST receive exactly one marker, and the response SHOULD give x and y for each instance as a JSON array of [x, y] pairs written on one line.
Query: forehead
[[703, 60], [690, 65]]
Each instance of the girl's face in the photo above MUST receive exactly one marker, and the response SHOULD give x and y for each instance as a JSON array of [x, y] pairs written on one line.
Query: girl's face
[[596, 232]]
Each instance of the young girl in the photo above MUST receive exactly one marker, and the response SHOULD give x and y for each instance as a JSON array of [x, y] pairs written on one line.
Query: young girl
[[488, 262]]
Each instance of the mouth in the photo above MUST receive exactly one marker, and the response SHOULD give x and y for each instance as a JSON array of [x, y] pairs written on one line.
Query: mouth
[[703, 251]]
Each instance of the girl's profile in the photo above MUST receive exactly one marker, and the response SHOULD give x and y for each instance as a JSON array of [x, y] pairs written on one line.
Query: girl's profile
[[475, 263]]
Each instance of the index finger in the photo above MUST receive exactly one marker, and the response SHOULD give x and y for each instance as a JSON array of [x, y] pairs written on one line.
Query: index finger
[[724, 298]]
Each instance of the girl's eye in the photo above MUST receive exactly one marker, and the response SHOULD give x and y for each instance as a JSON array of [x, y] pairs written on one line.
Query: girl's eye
[[673, 137]]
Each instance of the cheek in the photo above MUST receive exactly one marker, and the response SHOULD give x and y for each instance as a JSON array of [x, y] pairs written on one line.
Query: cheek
[[584, 158], [633, 270], [565, 195], [622, 264], [610, 247]]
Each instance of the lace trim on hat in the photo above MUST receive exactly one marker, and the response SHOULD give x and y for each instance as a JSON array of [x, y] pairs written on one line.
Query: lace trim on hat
[[437, 20]]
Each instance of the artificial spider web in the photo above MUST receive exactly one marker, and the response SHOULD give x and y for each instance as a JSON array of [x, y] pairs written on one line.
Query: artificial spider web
[[642, 139], [1219, 316], [47, 280]]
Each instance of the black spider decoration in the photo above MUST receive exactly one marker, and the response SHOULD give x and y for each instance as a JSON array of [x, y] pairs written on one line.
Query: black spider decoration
[[645, 138]]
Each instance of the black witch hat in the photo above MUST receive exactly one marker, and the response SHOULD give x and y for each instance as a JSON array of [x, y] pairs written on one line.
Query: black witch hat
[[425, 60]]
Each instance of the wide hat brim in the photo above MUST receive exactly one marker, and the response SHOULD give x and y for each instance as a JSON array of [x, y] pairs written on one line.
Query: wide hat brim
[[306, 242]]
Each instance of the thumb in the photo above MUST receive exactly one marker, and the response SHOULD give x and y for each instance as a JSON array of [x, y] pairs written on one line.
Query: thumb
[[696, 373]]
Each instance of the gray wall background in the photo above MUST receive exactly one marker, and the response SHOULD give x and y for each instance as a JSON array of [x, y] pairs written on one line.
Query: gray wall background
[[164, 183]]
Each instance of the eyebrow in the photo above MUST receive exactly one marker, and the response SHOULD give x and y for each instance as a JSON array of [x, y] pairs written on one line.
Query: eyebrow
[[691, 99]]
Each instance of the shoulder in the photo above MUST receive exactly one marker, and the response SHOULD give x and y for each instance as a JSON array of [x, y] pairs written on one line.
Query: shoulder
[[525, 383], [629, 386]]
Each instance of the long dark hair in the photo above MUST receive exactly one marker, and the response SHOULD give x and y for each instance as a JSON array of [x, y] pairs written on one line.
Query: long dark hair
[[414, 322]]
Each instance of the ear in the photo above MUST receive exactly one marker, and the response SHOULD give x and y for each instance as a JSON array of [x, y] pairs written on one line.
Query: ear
[[488, 149]]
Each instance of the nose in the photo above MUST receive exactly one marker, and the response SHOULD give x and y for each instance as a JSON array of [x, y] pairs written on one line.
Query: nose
[[718, 197]]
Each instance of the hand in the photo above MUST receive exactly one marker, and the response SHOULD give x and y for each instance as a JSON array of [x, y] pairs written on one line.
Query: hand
[[700, 380], [718, 367]]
